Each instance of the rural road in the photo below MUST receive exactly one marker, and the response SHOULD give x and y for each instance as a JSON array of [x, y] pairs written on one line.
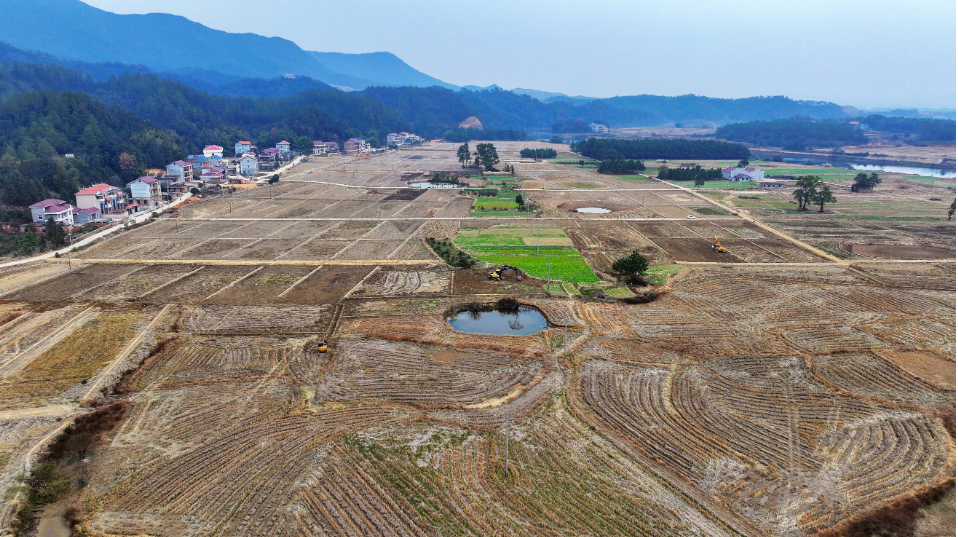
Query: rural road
[[113, 228]]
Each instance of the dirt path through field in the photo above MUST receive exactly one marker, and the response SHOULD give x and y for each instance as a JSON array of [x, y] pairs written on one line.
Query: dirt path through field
[[51, 411]]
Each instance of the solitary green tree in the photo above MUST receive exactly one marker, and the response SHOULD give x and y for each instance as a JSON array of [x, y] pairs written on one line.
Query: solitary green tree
[[274, 179], [743, 163], [699, 180], [632, 267], [487, 155], [463, 153], [807, 184], [864, 180], [55, 233], [951, 211], [822, 195], [519, 201]]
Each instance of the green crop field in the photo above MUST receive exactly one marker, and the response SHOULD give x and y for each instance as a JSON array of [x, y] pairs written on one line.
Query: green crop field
[[503, 245], [503, 204]]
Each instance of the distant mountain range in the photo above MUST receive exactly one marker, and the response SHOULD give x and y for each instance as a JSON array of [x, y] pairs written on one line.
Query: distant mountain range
[[77, 36], [170, 43]]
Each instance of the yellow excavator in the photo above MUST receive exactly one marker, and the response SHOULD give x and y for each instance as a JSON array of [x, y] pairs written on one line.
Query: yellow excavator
[[321, 345], [716, 245], [497, 274]]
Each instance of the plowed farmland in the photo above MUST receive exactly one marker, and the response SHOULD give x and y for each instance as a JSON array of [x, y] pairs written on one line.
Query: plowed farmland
[[775, 389]]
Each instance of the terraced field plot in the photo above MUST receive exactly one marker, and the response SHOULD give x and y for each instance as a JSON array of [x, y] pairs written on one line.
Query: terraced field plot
[[513, 245]]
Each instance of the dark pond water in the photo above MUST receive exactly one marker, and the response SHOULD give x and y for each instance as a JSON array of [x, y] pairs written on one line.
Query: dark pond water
[[521, 322]]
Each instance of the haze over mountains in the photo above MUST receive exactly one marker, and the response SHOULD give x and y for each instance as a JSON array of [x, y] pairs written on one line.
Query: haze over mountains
[[244, 64]]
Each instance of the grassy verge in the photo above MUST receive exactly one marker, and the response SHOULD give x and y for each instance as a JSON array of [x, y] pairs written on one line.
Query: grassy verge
[[660, 274]]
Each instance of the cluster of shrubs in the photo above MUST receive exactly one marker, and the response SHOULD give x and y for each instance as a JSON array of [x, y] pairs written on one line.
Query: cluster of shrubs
[[448, 252]]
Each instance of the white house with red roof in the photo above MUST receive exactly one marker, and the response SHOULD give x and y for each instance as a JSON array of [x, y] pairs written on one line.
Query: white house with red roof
[[60, 211], [283, 147], [213, 150], [242, 147], [182, 169], [734, 173], [107, 198], [146, 191]]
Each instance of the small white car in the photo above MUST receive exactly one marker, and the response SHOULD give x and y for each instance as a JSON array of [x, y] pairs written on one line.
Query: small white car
[[691, 217]]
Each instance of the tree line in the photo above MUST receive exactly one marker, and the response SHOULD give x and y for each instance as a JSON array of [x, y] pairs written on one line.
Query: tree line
[[621, 167], [611, 149], [793, 134], [538, 153], [926, 129], [689, 174]]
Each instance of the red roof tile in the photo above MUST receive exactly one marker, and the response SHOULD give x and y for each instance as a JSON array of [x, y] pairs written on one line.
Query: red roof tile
[[46, 203]]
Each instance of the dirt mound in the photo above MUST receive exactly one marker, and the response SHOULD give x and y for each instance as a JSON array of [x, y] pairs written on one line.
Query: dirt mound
[[471, 122]]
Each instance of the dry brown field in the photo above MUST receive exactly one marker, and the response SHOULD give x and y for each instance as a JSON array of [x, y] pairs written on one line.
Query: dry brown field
[[776, 389]]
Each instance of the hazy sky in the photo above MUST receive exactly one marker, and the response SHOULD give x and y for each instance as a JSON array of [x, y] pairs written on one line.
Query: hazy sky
[[866, 53]]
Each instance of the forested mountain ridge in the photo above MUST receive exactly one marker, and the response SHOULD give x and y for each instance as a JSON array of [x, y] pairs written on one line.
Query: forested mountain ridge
[[110, 145], [698, 108], [72, 29]]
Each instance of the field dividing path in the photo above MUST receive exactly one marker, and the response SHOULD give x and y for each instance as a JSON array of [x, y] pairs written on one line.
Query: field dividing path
[[250, 262], [748, 216], [50, 411]]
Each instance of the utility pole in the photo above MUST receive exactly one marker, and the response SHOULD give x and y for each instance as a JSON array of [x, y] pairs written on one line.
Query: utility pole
[[565, 338]]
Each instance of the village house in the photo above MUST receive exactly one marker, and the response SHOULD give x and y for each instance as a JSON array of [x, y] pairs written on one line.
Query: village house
[[85, 216], [107, 198], [355, 145], [324, 148], [60, 211], [270, 155], [182, 169], [597, 127], [170, 190], [283, 147], [242, 147], [214, 175], [213, 151], [395, 139], [146, 191], [733, 173], [770, 184], [199, 161], [248, 165]]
